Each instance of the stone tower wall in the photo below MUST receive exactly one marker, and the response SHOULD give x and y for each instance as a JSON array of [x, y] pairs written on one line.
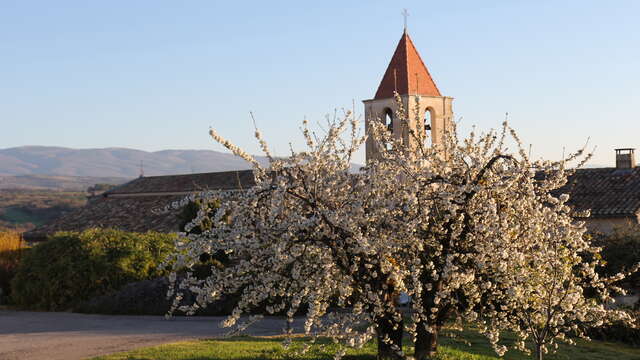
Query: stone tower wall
[[440, 108]]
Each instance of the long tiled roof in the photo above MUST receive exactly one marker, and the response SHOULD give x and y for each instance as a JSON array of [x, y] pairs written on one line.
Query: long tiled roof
[[137, 214], [226, 180], [607, 192], [134, 206], [138, 205]]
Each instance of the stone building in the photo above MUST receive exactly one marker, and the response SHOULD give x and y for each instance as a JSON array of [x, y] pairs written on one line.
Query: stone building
[[612, 193]]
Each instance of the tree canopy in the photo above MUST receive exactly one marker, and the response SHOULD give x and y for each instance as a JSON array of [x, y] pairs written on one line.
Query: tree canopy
[[467, 229]]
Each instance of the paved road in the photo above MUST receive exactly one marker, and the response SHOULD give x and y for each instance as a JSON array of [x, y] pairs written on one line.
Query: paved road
[[68, 336]]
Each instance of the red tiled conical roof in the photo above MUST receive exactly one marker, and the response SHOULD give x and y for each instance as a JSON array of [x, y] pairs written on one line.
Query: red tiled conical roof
[[406, 73]]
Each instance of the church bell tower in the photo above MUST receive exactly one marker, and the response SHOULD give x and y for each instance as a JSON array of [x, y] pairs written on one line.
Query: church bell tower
[[408, 76]]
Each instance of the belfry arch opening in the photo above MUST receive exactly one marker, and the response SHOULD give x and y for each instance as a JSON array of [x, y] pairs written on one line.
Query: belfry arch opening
[[427, 123], [388, 122], [388, 119]]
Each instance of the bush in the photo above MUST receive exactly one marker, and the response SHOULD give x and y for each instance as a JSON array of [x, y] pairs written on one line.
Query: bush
[[621, 251], [189, 213], [12, 248], [619, 332], [148, 297], [72, 267]]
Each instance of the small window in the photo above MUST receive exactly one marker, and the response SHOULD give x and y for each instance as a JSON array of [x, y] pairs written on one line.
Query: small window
[[428, 117], [388, 119], [427, 120]]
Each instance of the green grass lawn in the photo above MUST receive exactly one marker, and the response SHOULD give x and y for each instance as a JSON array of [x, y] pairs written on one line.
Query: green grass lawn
[[253, 348]]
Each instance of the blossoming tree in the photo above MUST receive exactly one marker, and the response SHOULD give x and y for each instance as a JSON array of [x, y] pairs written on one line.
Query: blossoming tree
[[308, 233], [552, 292], [464, 228], [488, 239]]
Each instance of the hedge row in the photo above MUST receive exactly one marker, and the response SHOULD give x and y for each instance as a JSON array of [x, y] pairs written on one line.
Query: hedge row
[[72, 267], [148, 297]]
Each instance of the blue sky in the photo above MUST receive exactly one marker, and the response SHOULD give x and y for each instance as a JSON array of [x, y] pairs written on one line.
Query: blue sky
[[155, 75]]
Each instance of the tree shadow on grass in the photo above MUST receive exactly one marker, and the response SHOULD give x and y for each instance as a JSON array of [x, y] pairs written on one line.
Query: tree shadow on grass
[[469, 344], [346, 357], [476, 344]]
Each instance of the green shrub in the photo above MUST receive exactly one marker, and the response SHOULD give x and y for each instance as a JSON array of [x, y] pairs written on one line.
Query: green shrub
[[621, 251], [189, 213], [71, 267], [149, 297], [619, 331]]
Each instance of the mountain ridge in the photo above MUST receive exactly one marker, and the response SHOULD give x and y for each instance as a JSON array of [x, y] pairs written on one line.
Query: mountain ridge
[[114, 161]]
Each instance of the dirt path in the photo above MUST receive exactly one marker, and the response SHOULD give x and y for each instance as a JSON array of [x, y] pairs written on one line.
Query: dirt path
[[67, 336]]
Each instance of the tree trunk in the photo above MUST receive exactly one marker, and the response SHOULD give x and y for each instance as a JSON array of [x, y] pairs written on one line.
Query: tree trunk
[[388, 328], [426, 342], [538, 353]]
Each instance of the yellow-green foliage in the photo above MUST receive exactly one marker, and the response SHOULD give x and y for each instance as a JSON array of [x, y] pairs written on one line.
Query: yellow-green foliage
[[10, 240], [11, 248], [71, 267]]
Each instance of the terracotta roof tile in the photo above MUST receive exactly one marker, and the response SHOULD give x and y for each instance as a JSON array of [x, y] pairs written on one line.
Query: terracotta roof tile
[[225, 180]]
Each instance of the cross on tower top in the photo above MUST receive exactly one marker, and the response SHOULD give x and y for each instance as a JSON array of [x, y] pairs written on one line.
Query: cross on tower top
[[405, 14]]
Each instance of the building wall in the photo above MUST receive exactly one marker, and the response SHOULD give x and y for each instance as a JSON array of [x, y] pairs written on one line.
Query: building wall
[[607, 225]]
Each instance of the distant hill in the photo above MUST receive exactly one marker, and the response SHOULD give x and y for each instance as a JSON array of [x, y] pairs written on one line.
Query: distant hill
[[113, 162]]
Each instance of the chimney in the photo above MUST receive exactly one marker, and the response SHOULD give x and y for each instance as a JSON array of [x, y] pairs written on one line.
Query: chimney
[[625, 158]]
